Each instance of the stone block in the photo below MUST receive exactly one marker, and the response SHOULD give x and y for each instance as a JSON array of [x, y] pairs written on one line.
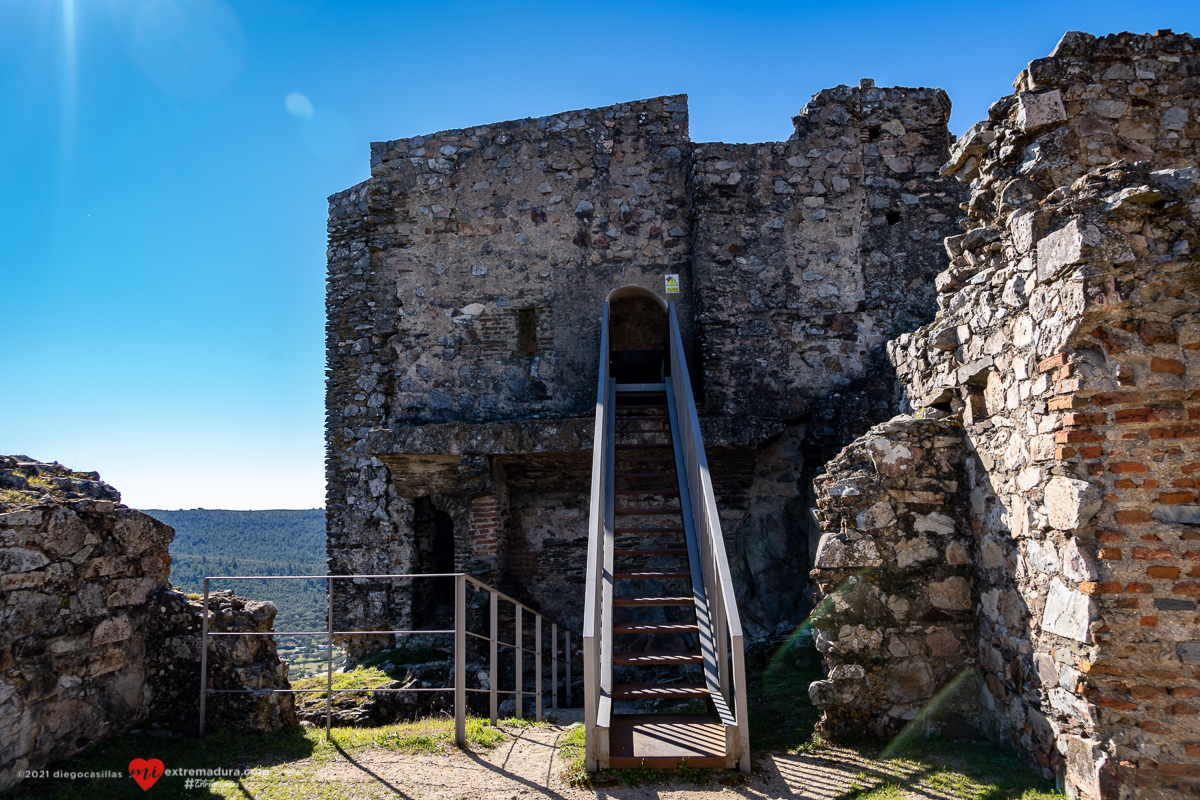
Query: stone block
[[910, 681], [1068, 612], [1180, 514], [834, 552], [879, 515], [21, 559], [1039, 110], [1071, 244], [952, 594], [1071, 504]]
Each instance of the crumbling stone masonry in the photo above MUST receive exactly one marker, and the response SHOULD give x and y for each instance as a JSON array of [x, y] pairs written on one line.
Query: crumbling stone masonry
[[93, 639], [896, 566], [1067, 341], [466, 279]]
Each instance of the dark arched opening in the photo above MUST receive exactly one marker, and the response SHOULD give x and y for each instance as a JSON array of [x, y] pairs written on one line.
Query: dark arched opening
[[637, 330], [433, 552]]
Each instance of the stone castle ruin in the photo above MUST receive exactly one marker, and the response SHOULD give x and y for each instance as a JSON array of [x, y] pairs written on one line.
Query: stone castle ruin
[[948, 393], [955, 380]]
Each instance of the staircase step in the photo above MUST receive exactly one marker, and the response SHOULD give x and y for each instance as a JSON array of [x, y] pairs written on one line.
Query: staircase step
[[645, 576], [659, 492], [647, 474], [636, 446], [621, 406], [656, 417], [656, 691], [656, 659], [663, 741], [648, 511], [643, 602], [655, 627], [648, 530], [671, 551], [644, 458]]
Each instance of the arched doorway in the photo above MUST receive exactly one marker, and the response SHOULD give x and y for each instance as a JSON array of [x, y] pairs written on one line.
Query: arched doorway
[[637, 334]]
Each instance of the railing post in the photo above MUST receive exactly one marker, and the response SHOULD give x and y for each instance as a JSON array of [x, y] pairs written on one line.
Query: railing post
[[537, 666], [493, 674], [460, 660], [567, 660], [553, 666], [203, 654], [520, 667], [329, 662]]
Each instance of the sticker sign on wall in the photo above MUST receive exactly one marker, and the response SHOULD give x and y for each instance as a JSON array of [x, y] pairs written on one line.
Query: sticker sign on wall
[[672, 282]]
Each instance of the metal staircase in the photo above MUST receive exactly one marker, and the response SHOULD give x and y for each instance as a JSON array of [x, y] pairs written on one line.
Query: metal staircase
[[661, 626]]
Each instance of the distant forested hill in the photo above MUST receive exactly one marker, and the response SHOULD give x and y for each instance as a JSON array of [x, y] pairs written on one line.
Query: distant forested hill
[[213, 542]]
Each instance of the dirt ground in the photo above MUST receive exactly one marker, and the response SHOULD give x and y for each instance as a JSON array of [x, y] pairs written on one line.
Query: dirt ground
[[529, 766]]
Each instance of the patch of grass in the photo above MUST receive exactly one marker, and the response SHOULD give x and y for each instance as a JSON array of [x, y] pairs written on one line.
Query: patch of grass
[[360, 678], [523, 722], [945, 768], [435, 734], [782, 718], [571, 750], [814, 743]]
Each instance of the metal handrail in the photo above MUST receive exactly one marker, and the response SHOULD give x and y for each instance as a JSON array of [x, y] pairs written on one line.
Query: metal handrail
[[722, 602], [597, 613], [459, 631]]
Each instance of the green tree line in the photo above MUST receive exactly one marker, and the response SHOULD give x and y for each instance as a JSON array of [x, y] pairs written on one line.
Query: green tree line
[[213, 542]]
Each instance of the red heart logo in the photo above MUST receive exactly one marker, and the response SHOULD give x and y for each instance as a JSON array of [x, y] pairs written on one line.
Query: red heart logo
[[146, 773]]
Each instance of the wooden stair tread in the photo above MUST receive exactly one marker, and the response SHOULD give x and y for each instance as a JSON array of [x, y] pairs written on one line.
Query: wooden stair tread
[[656, 659], [654, 691], [646, 475], [648, 511], [646, 491], [669, 551], [648, 530], [662, 741], [641, 576], [634, 446], [653, 601], [655, 627]]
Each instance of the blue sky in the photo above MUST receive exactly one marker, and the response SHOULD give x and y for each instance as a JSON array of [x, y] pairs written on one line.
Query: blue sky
[[162, 212]]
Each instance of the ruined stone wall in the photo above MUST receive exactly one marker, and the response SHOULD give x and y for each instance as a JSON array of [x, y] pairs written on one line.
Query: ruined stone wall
[[1066, 339], [894, 564], [92, 639], [809, 254], [466, 280], [545, 216]]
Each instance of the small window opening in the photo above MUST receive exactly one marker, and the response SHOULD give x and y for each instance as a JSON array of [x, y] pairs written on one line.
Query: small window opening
[[526, 331], [892, 217], [873, 133]]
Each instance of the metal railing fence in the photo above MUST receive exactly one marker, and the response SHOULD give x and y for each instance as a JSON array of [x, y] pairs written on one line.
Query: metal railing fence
[[459, 632], [598, 591], [726, 624]]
